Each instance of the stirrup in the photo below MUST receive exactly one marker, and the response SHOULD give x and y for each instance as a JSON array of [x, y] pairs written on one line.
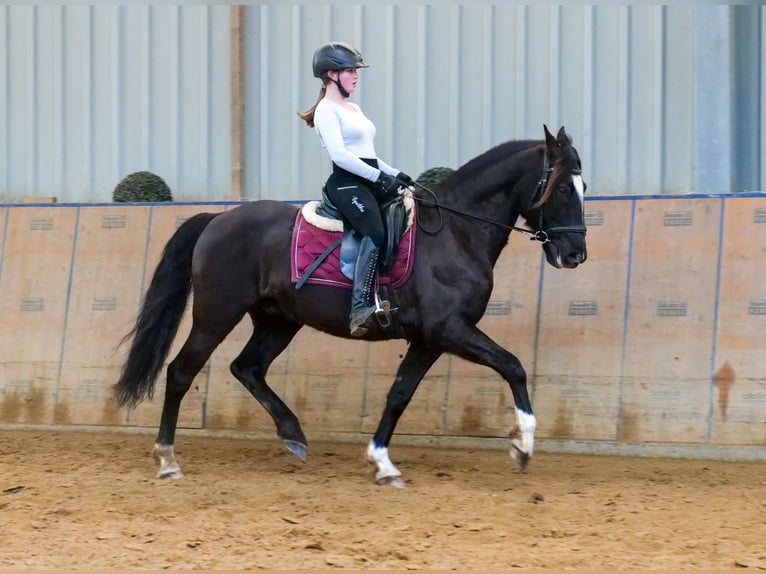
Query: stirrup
[[382, 312]]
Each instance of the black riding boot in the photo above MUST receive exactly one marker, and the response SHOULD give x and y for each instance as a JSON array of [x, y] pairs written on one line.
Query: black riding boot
[[362, 306]]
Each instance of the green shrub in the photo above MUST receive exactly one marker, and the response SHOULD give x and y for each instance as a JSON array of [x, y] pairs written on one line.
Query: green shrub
[[142, 186], [431, 178]]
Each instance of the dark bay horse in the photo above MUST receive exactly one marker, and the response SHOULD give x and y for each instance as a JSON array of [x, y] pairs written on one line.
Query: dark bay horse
[[237, 263]]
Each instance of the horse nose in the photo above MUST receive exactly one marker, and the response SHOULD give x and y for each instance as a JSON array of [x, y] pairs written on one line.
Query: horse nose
[[577, 257]]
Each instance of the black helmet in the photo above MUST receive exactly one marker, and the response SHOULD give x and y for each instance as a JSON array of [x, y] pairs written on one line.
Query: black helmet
[[337, 56]]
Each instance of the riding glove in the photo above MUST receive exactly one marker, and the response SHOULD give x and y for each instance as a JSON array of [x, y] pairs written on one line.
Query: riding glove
[[387, 184], [405, 179]]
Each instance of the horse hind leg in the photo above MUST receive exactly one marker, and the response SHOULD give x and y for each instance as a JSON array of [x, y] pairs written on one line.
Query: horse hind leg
[[180, 375], [411, 371], [270, 337], [166, 457]]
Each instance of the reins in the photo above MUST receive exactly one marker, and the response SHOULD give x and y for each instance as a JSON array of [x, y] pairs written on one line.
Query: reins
[[533, 235], [541, 236]]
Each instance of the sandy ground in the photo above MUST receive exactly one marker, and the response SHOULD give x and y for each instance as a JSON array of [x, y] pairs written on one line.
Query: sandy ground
[[85, 499]]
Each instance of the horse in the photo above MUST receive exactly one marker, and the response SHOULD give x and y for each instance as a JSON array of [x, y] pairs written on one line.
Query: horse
[[236, 263]]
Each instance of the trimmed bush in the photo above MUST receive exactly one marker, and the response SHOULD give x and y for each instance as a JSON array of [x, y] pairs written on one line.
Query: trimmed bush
[[431, 178], [142, 186]]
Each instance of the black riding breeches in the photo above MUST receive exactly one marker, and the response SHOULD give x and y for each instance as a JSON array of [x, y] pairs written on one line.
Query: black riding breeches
[[353, 197]]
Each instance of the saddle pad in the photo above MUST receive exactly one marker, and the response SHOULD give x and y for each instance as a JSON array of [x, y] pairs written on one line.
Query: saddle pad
[[309, 242]]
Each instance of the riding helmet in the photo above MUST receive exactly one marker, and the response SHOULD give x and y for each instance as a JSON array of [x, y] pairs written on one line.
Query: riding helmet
[[337, 56]]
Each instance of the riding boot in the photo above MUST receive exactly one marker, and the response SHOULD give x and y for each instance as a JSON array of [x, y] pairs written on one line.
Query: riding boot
[[362, 306]]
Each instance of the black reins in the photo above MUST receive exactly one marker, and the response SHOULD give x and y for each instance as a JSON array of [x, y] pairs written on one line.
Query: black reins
[[541, 236]]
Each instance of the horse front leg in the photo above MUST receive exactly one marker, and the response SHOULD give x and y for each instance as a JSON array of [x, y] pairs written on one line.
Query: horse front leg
[[470, 343], [523, 441], [412, 369]]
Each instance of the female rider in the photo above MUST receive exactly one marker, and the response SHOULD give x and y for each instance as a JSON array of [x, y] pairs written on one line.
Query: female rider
[[359, 178]]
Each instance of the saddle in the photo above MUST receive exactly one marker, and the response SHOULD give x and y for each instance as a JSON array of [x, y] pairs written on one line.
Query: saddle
[[394, 214], [398, 216]]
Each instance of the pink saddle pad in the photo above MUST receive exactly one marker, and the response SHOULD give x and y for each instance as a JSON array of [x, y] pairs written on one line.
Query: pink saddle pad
[[309, 242]]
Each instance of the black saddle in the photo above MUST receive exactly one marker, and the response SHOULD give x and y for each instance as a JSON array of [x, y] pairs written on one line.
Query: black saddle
[[395, 215]]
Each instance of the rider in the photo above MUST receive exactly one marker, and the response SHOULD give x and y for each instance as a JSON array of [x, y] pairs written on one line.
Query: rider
[[359, 179]]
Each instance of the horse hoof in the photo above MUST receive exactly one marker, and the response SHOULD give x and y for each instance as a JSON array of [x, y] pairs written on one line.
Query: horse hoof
[[297, 448], [174, 474], [394, 481], [520, 457]]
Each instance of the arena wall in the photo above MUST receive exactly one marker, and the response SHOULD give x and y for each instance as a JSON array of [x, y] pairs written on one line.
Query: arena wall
[[656, 340], [92, 92]]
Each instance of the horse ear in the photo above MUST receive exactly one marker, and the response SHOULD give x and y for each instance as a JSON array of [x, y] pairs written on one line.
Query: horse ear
[[550, 141], [562, 136]]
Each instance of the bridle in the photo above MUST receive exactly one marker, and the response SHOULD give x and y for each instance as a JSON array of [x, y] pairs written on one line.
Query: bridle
[[542, 236]]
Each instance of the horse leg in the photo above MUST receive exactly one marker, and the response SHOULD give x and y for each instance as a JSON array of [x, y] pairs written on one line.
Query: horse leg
[[180, 375], [268, 340], [411, 371], [470, 343]]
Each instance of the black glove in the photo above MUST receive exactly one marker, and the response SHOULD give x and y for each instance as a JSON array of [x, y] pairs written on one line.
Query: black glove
[[405, 179], [387, 184]]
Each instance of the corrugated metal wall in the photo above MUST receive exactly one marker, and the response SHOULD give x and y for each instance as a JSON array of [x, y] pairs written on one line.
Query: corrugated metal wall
[[648, 92], [91, 93], [660, 99]]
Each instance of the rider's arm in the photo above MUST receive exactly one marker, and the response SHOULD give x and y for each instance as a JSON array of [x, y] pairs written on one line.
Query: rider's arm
[[327, 125], [385, 168]]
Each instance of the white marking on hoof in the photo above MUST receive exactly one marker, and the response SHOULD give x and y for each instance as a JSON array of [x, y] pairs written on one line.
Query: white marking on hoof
[[527, 425], [523, 443], [169, 468], [385, 471]]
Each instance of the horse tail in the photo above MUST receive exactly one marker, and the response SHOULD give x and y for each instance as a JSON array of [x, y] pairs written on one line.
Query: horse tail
[[161, 313]]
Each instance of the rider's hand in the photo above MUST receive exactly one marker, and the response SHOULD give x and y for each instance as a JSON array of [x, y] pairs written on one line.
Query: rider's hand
[[406, 180], [387, 184]]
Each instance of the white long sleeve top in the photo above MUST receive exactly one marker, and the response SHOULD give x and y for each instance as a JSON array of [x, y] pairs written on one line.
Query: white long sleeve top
[[348, 136]]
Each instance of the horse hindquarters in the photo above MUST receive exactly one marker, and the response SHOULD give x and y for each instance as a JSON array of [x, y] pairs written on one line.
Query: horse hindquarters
[[223, 295]]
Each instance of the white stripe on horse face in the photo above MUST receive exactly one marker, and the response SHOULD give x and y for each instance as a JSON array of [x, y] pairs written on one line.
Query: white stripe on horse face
[[580, 187]]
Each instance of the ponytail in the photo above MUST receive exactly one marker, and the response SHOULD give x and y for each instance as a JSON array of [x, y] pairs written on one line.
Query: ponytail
[[308, 115]]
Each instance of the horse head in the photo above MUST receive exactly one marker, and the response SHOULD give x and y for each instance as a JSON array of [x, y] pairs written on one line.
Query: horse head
[[558, 207]]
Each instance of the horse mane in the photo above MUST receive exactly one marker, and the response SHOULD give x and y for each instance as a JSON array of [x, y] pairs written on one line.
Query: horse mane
[[494, 156], [481, 164]]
